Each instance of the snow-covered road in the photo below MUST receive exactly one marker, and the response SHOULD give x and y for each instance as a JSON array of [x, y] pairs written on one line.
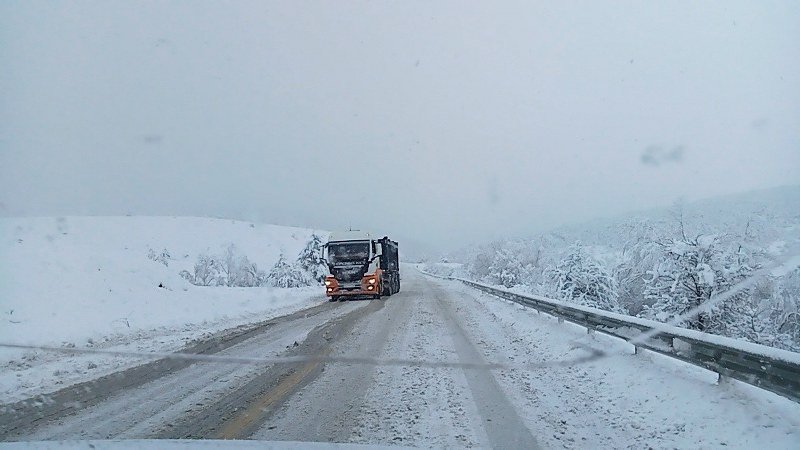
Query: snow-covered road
[[619, 401]]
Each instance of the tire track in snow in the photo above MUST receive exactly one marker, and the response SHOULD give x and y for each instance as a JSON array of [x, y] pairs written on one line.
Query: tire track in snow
[[501, 421]]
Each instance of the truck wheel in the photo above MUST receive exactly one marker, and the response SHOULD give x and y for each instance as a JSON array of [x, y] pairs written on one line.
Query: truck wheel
[[333, 298]]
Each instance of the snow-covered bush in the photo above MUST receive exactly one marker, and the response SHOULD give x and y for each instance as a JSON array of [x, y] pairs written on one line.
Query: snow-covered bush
[[580, 278], [287, 275], [162, 257], [206, 272], [232, 269], [309, 269]]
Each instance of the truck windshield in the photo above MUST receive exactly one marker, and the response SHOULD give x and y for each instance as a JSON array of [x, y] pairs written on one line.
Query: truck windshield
[[348, 252]]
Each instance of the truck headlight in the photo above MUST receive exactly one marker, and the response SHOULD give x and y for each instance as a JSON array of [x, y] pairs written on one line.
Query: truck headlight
[[372, 281], [328, 282]]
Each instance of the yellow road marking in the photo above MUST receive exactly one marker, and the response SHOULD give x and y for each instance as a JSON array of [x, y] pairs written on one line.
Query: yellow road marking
[[234, 428]]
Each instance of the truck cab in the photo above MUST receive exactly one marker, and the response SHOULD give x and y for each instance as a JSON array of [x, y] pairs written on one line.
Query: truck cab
[[360, 265]]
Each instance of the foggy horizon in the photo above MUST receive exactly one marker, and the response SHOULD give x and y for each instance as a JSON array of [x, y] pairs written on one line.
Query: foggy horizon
[[440, 123]]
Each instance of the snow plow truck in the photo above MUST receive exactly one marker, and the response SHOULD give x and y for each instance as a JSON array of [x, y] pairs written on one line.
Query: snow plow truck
[[361, 266]]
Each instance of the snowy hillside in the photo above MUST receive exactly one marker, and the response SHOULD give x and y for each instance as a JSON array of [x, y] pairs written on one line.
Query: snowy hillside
[[659, 264], [114, 281]]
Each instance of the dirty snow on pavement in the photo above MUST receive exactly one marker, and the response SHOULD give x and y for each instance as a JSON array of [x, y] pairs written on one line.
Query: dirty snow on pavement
[[88, 282], [419, 406], [622, 400], [183, 396], [403, 404]]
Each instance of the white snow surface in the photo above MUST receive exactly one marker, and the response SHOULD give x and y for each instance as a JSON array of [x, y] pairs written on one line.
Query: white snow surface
[[88, 282], [622, 400]]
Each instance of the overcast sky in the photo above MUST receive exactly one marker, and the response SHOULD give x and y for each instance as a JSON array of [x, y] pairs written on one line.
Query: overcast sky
[[440, 122]]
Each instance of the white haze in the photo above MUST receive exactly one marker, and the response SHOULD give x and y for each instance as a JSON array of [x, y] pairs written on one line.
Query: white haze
[[437, 122]]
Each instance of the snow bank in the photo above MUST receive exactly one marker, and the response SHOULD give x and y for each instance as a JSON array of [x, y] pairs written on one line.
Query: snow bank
[[88, 281]]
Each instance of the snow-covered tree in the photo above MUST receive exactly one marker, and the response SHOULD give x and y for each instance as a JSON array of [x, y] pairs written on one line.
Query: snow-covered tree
[[286, 275], [745, 314], [666, 262], [784, 312], [691, 272], [582, 279], [479, 266], [310, 260], [163, 257], [230, 266], [638, 255], [188, 276], [250, 275], [231, 269], [206, 271]]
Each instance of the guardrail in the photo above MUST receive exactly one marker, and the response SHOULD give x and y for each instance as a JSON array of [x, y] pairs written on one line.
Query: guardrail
[[768, 368]]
